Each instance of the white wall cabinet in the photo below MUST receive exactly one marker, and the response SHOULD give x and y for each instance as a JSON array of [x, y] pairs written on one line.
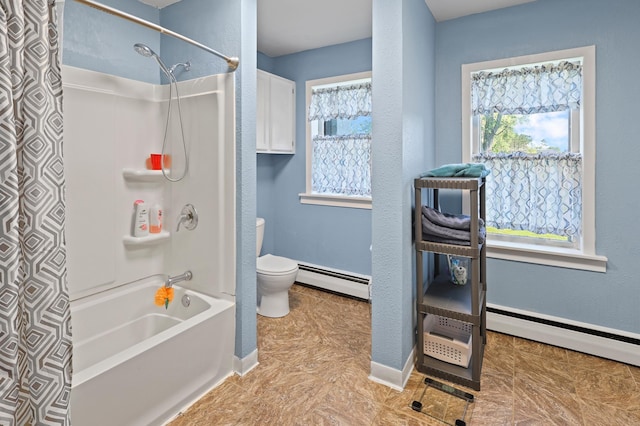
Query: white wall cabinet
[[275, 133]]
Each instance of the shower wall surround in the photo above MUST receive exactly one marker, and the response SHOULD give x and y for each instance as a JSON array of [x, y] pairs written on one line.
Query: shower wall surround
[[111, 124], [100, 42]]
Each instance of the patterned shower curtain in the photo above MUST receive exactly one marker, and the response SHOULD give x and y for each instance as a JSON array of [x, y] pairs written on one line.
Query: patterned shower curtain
[[35, 325]]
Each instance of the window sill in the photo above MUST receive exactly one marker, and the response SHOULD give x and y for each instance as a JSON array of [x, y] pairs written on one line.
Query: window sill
[[336, 200], [563, 258]]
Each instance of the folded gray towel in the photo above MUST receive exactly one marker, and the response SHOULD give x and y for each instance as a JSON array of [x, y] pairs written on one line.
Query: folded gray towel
[[442, 232], [455, 221]]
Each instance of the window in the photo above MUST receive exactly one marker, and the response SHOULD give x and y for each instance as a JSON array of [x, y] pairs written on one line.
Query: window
[[339, 141], [531, 121]]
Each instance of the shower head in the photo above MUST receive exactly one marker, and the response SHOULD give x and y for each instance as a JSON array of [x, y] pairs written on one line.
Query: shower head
[[146, 51]]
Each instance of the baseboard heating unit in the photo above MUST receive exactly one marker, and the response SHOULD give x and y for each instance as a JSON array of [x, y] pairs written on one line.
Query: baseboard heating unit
[[604, 342], [342, 282]]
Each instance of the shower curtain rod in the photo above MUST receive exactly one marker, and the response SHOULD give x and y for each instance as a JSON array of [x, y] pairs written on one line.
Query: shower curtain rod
[[231, 61]]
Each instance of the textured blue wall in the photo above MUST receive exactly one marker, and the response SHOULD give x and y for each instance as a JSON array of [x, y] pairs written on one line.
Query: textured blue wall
[[246, 290], [101, 42], [608, 299], [403, 146], [335, 237], [97, 41], [215, 24], [265, 63]]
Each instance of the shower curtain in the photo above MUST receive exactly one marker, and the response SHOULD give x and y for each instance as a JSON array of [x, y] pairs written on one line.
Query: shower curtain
[[35, 325]]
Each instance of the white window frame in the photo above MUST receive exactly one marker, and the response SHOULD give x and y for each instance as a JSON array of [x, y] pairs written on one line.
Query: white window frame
[[336, 200], [583, 257]]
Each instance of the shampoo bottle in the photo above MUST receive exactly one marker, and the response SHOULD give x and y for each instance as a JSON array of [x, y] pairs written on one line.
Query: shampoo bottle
[[155, 219], [140, 219]]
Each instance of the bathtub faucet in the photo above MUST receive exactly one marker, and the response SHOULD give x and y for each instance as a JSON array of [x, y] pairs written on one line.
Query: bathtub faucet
[[177, 279]]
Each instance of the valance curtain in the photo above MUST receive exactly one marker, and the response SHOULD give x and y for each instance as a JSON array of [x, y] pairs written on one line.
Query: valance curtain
[[343, 102], [341, 164], [35, 325], [527, 90], [540, 193]]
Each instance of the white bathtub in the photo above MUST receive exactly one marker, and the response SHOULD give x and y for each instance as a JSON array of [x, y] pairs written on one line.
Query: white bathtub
[[138, 364]]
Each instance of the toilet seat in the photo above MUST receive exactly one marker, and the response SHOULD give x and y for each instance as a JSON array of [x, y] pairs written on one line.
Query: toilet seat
[[275, 265]]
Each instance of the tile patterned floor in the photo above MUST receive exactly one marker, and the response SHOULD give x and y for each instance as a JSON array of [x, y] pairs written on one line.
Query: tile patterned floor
[[314, 366]]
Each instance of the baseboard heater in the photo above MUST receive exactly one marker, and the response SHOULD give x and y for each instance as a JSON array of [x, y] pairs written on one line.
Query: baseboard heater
[[334, 280], [607, 343]]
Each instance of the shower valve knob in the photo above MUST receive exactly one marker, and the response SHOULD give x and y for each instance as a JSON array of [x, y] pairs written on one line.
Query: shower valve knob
[[188, 217]]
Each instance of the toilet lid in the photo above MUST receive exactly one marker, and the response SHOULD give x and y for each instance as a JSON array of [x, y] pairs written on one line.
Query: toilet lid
[[275, 265]]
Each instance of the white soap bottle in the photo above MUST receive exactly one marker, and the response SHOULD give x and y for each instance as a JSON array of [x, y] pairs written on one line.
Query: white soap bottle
[[155, 219], [140, 219]]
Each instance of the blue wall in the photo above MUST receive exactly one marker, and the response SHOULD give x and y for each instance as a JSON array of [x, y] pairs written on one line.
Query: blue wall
[[101, 42], [335, 237], [97, 41], [265, 63], [212, 23], [608, 299], [403, 146], [246, 101]]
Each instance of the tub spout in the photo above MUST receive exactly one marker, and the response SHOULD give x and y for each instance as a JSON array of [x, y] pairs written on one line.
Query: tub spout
[[178, 278]]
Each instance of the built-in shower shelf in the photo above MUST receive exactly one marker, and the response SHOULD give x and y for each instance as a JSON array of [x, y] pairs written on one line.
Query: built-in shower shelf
[[128, 240], [136, 175]]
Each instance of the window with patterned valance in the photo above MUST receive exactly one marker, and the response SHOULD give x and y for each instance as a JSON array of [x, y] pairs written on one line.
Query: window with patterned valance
[[339, 139], [535, 186]]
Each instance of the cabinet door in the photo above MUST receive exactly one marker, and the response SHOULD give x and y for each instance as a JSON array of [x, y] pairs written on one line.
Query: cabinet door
[[281, 106], [262, 112]]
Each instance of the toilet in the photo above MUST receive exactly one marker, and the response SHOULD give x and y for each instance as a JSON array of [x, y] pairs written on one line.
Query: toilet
[[276, 275]]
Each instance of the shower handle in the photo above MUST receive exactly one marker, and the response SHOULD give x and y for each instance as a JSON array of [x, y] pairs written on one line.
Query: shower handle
[[188, 217]]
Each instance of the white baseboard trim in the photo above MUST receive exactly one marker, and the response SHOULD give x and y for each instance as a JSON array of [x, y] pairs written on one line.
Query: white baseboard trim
[[604, 342], [395, 379], [246, 364], [343, 282]]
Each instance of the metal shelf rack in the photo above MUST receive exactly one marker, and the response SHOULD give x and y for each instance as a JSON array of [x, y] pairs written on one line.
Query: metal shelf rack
[[437, 295]]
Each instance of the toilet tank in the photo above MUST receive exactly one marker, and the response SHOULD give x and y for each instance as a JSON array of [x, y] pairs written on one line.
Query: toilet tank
[[259, 235]]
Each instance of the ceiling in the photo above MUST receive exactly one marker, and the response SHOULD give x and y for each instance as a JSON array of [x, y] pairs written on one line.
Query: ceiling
[[159, 3], [290, 26], [443, 10]]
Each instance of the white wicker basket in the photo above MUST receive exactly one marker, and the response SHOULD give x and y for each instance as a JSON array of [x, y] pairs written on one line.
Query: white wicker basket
[[447, 339]]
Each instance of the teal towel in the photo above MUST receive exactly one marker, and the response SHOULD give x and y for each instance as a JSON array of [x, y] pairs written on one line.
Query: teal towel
[[458, 170]]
